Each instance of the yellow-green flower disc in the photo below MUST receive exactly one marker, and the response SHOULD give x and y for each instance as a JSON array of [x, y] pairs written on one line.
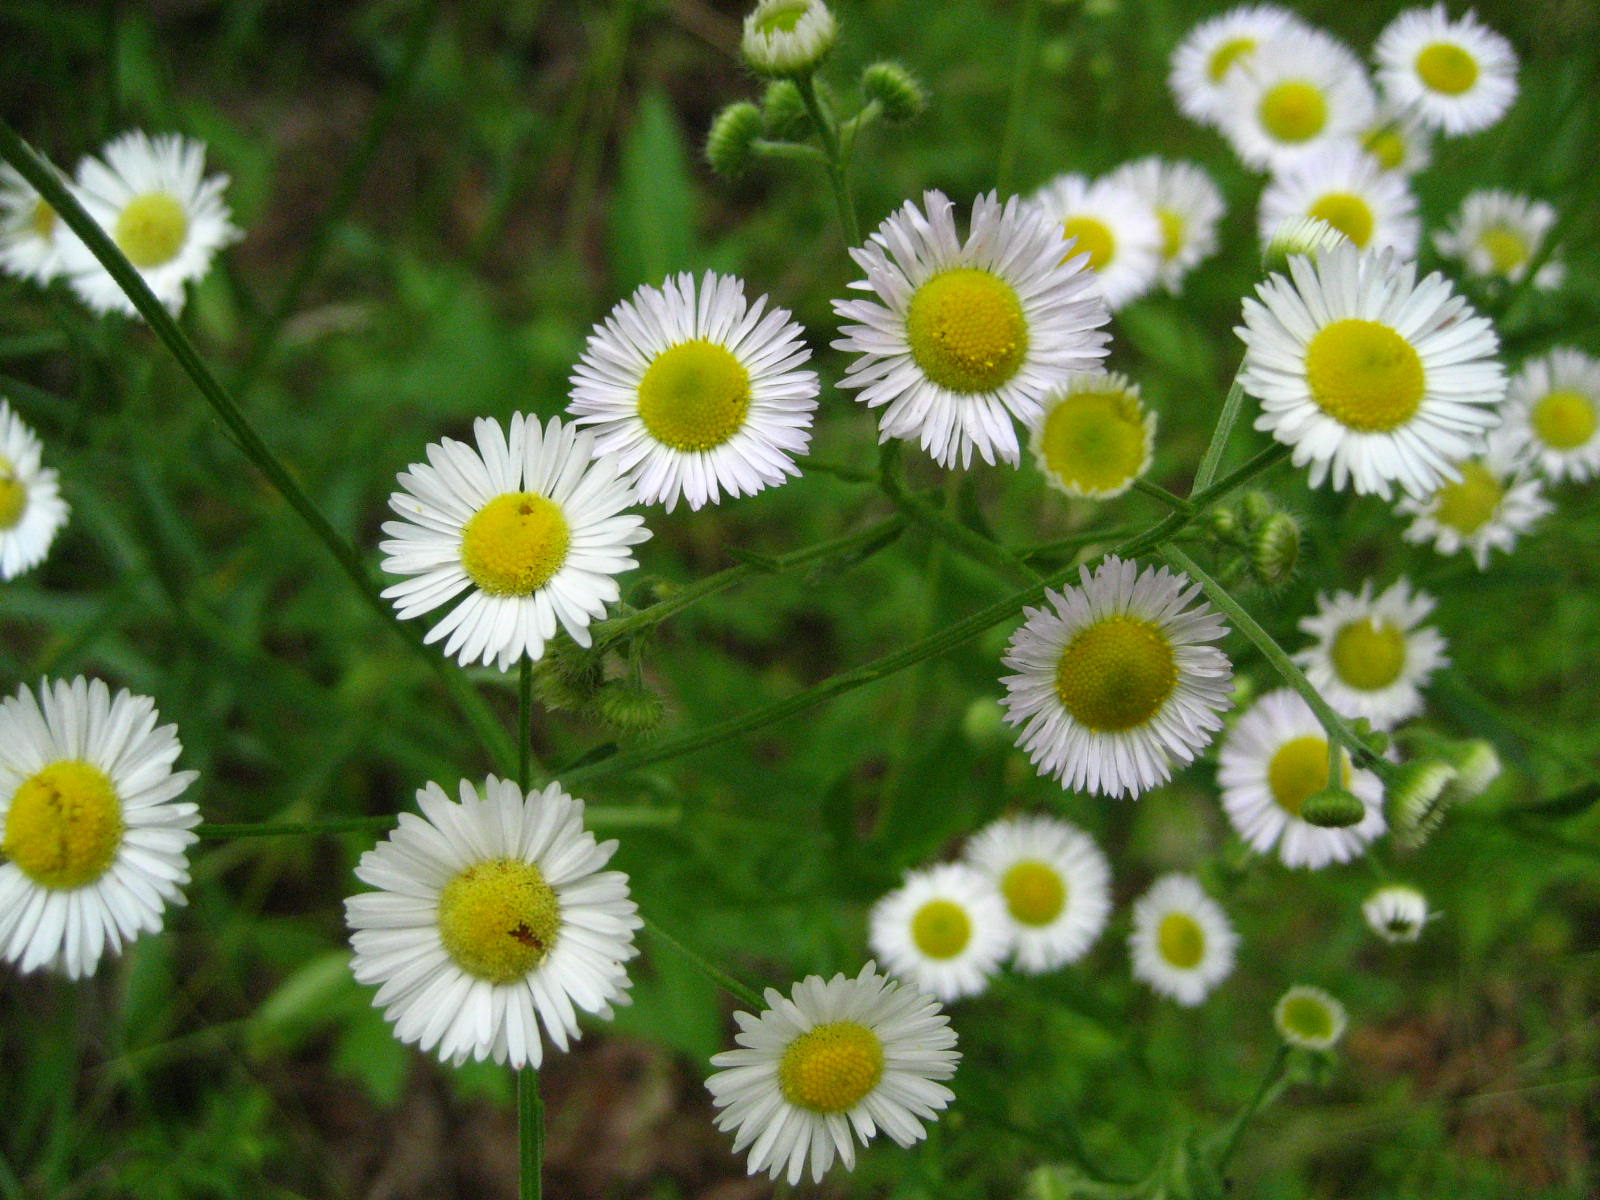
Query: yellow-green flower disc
[[515, 544], [498, 919], [64, 826], [831, 1068]]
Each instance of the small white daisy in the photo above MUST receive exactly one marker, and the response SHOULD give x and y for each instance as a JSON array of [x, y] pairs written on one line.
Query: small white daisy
[[1398, 139], [1495, 501], [842, 1057], [153, 199], [32, 511], [1373, 655], [1182, 943], [31, 235], [1115, 685], [1371, 376], [1274, 759], [1310, 1018], [95, 840], [1095, 436], [1343, 185], [1459, 76], [1553, 414], [787, 37], [697, 394], [1188, 206], [1056, 884], [964, 336], [1300, 92], [492, 917], [1497, 235], [530, 525], [1213, 49], [944, 929], [1114, 225], [1396, 913]]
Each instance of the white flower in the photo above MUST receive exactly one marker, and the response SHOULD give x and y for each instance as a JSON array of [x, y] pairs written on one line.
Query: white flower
[[1497, 235], [697, 394], [943, 929], [95, 840], [1373, 656], [530, 525], [1299, 92], [1343, 185], [152, 198], [1396, 913], [492, 917], [1212, 50], [1056, 884], [1095, 436], [787, 37], [32, 511], [964, 336], [849, 1056], [1309, 1017], [1182, 943], [1459, 76], [1553, 414], [1369, 375], [1115, 686], [1114, 225], [31, 235], [1495, 501], [1270, 763], [1188, 206], [1397, 139]]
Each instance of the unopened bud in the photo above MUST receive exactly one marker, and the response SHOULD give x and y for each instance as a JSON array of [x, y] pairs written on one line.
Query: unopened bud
[[900, 96], [1418, 798], [629, 708], [787, 37], [1308, 236], [783, 112], [1275, 549], [1333, 808], [734, 131]]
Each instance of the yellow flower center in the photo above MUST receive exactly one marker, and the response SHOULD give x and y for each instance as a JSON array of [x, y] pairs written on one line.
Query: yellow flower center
[[694, 396], [151, 229], [65, 825], [1507, 249], [941, 929], [1299, 769], [782, 18], [515, 543], [1094, 441], [1034, 891], [1307, 1017], [1348, 213], [1364, 375], [1226, 55], [1471, 501], [966, 330], [1181, 941], [831, 1068], [1564, 420], [498, 919], [43, 222], [1446, 67], [1090, 237], [1368, 654], [1173, 232], [1293, 111], [13, 496], [1116, 674], [1387, 146]]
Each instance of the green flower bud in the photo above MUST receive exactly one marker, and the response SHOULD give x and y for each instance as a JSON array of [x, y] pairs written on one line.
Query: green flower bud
[[1222, 524], [1309, 236], [787, 37], [1418, 797], [1333, 808], [1254, 508], [1275, 549], [783, 112], [733, 133], [900, 96], [629, 708]]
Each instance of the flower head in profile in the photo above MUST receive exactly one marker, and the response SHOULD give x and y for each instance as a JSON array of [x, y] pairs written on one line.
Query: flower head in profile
[[1187, 205], [491, 918], [697, 392], [1301, 92], [1458, 75], [32, 511], [152, 197], [964, 336], [1310, 1018], [1182, 943], [943, 929], [530, 525], [1373, 654], [1396, 912], [1115, 683], [787, 37], [833, 1062], [1497, 235], [1116, 226], [1096, 437], [1344, 186], [1397, 139], [31, 235], [1553, 414], [95, 841], [1215, 49], [1493, 502]]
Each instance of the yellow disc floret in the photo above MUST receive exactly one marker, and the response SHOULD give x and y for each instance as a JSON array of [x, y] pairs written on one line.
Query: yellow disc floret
[[1181, 941], [64, 826], [1307, 1017], [1095, 443], [1364, 375], [782, 18], [498, 919], [1506, 247], [1174, 231], [1350, 214], [1368, 654], [941, 929], [831, 1068], [1446, 68], [1564, 420], [694, 396], [515, 544], [151, 229], [43, 221], [1034, 891], [1225, 55], [1299, 769], [966, 330], [1090, 236], [1293, 111], [1470, 501], [1387, 145], [1116, 674], [13, 496]]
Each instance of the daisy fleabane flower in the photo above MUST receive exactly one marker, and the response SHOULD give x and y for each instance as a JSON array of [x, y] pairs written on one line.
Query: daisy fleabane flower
[[95, 840], [1373, 654], [1396, 912], [1215, 48], [1496, 499], [1373, 377], [944, 929], [966, 335], [1310, 1018], [1095, 437], [1553, 414], [1182, 943], [530, 525], [31, 235], [1497, 234], [696, 391], [152, 197], [1344, 186], [1397, 139], [1114, 225], [836, 1058], [1187, 205], [787, 37], [1459, 76], [1056, 884], [32, 511], [492, 917], [1115, 684], [1300, 92]]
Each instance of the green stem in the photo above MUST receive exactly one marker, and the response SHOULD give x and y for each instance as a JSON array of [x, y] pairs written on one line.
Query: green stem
[[530, 1135], [1021, 84], [943, 526], [1236, 1127], [1174, 522], [1211, 460], [38, 173], [524, 722], [1156, 492], [829, 136], [599, 816], [742, 992]]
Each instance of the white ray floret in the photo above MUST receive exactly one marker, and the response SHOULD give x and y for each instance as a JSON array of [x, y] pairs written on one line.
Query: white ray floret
[[943, 929], [1396, 912], [1496, 500], [32, 511], [1343, 185], [1299, 93], [31, 235], [1188, 206], [1497, 235], [1373, 654], [1459, 75], [1553, 414], [1215, 49], [1182, 943], [1115, 225]]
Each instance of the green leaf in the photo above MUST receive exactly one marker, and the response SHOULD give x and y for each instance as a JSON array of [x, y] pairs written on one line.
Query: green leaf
[[652, 218]]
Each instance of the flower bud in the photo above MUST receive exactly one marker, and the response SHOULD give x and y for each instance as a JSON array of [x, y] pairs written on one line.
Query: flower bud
[[787, 37], [733, 133], [1308, 236], [1333, 808], [1275, 549], [1418, 798], [629, 708], [1396, 912], [900, 96], [783, 112]]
